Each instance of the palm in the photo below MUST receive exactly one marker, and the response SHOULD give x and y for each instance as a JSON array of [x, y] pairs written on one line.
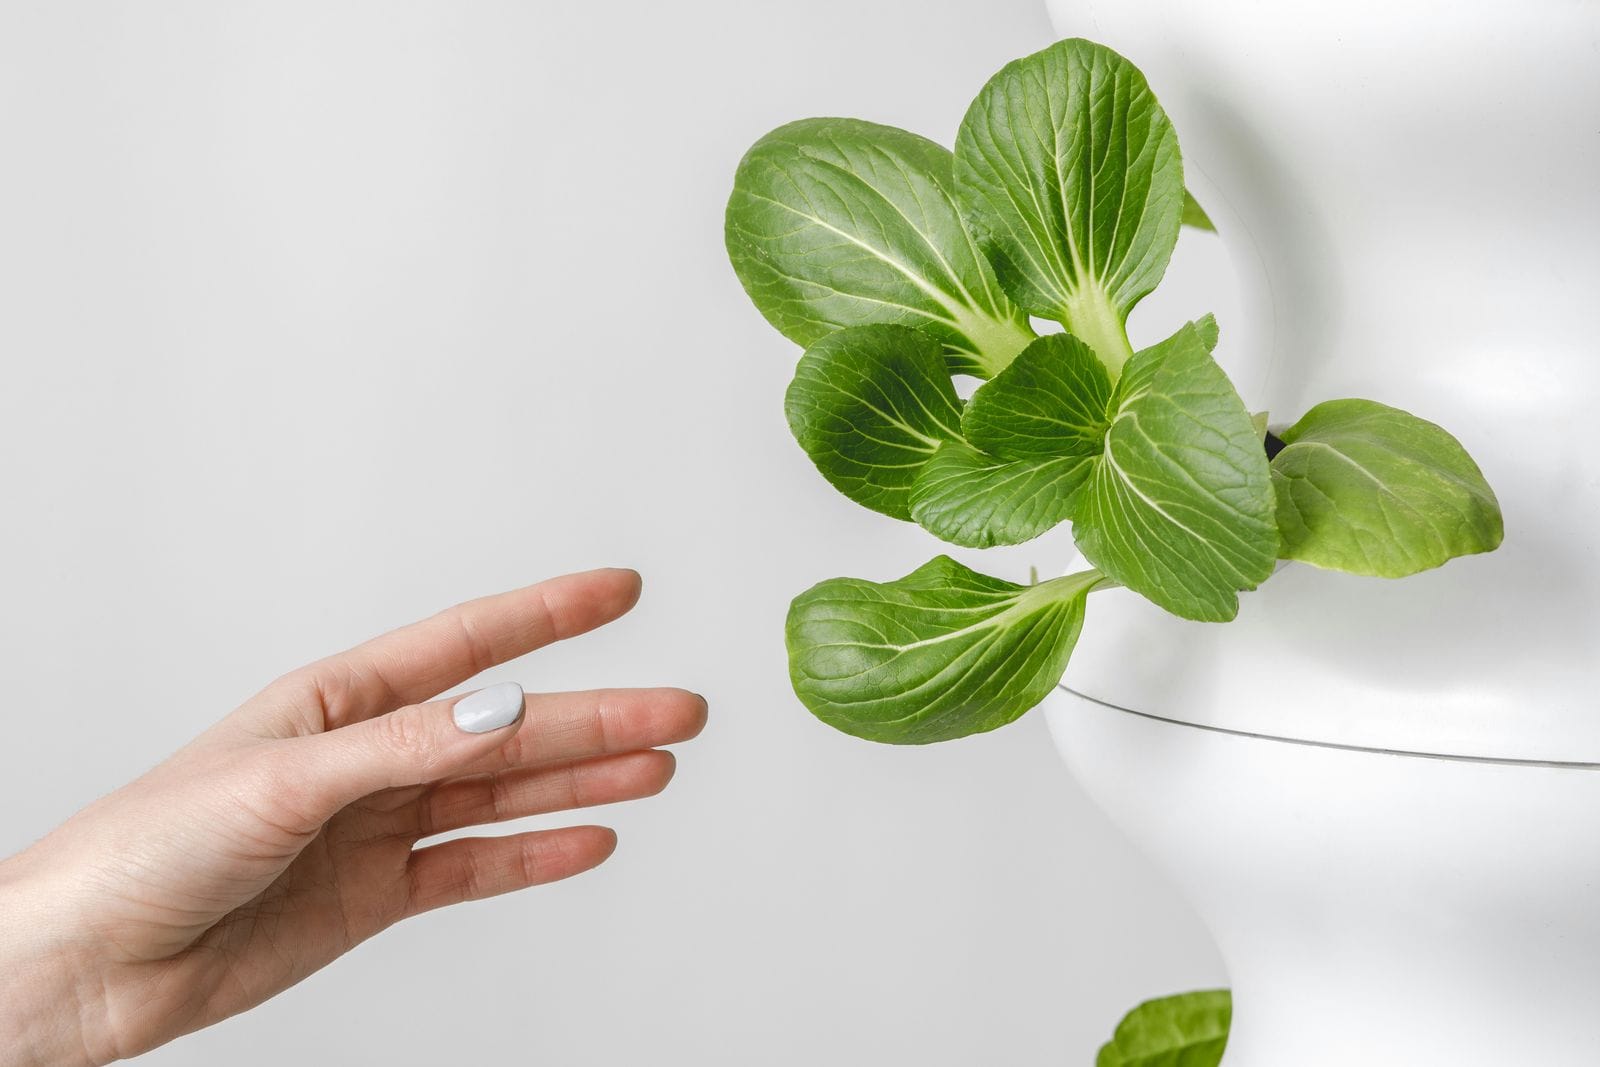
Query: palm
[[341, 884], [347, 883]]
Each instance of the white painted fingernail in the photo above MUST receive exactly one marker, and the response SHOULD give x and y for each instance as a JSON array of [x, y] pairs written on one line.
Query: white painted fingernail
[[493, 708]]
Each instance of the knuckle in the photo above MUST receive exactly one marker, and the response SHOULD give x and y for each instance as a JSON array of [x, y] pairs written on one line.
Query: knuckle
[[303, 687], [407, 736], [519, 749], [480, 652], [607, 716], [552, 620], [474, 876], [268, 782], [573, 791], [497, 804], [530, 861]]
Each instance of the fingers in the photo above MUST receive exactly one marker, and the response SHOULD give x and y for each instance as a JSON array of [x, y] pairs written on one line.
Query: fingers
[[416, 662], [570, 726], [472, 868], [484, 733], [415, 745], [541, 790]]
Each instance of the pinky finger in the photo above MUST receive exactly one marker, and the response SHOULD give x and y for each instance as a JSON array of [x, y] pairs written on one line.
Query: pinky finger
[[472, 868]]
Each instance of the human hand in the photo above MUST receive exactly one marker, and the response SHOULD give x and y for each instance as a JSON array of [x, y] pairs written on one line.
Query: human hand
[[284, 836]]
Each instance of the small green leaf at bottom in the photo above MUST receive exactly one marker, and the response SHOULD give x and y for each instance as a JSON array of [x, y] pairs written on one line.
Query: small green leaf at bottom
[[1187, 1030], [941, 653], [1370, 489]]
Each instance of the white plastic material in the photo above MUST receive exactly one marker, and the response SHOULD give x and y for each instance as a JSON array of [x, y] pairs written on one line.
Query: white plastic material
[[1411, 193], [1373, 910]]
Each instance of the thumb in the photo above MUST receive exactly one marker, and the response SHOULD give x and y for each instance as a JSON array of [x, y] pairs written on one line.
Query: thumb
[[413, 745]]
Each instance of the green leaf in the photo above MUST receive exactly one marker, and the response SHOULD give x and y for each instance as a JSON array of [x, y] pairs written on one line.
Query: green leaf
[[968, 498], [1051, 402], [1180, 506], [838, 222], [1188, 1030], [870, 405], [1067, 171], [941, 653], [1370, 489], [1195, 215], [1029, 436]]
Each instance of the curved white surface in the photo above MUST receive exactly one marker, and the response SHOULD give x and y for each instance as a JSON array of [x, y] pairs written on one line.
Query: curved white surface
[[1372, 909], [1410, 190]]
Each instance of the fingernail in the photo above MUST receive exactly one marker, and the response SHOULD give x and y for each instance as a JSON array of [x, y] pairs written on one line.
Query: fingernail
[[493, 708]]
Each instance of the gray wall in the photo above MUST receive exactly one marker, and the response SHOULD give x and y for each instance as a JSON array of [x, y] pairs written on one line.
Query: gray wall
[[319, 316]]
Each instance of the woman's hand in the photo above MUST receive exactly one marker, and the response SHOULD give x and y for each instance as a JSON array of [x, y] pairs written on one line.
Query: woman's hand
[[285, 835]]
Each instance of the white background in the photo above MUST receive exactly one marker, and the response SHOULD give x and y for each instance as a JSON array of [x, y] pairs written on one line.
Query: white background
[[316, 317]]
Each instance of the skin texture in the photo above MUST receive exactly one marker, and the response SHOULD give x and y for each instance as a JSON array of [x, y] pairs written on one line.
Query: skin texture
[[288, 833]]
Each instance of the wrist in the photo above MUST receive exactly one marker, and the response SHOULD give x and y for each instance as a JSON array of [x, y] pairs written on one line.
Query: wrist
[[46, 1018]]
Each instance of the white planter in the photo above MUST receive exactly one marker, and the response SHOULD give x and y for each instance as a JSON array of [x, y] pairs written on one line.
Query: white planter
[[1373, 910], [1410, 191]]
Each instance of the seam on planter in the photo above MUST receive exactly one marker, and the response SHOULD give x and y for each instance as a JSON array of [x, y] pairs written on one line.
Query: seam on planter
[[1567, 765]]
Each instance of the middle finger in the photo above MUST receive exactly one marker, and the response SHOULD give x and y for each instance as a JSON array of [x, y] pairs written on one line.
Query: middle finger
[[561, 727]]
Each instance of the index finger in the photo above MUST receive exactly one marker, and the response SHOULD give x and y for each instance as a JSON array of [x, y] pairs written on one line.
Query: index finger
[[417, 662]]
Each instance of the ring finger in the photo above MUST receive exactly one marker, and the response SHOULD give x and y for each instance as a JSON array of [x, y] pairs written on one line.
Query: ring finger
[[515, 794]]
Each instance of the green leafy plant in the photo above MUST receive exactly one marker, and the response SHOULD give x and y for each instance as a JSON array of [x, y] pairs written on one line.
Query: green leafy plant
[[900, 265], [1187, 1030]]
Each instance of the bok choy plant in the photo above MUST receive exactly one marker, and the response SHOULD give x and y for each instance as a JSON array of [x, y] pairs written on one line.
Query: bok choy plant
[[899, 265]]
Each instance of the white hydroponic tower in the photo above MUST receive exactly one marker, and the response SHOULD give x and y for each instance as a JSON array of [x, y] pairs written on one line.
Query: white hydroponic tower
[[1384, 797]]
